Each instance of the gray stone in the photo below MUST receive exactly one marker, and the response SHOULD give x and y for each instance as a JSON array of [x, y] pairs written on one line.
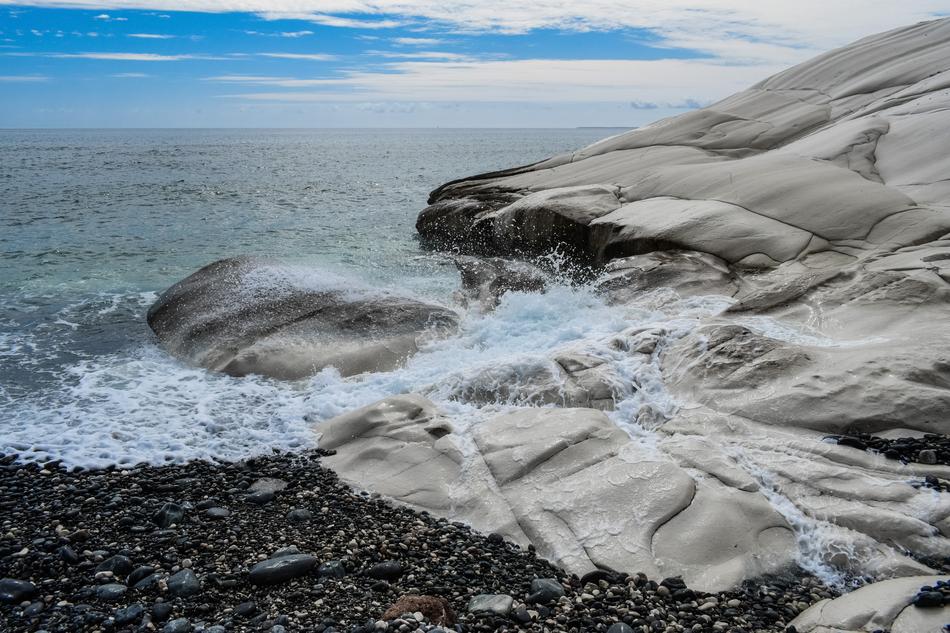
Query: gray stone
[[13, 591], [180, 625], [119, 565], [389, 570], [619, 627], [169, 514], [110, 592], [331, 569], [299, 515], [246, 316], [544, 590], [129, 614], [184, 584], [278, 570], [217, 513], [496, 604]]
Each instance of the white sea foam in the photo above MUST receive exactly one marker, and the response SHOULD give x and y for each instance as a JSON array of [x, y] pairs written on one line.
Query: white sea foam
[[137, 404]]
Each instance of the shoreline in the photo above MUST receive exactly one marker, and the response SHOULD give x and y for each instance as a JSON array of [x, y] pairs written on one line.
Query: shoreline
[[81, 538]]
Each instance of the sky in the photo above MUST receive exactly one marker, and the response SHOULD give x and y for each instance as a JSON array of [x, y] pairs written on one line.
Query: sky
[[406, 63]]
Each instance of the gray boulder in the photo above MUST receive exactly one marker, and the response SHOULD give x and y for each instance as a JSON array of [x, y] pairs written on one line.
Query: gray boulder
[[249, 316]]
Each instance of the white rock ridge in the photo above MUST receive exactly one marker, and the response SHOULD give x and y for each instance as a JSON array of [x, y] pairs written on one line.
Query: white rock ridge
[[845, 153]]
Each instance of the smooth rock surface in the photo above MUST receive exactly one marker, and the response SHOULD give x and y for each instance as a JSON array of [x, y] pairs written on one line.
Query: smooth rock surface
[[281, 569], [567, 481], [839, 153], [881, 606], [815, 206], [249, 316]]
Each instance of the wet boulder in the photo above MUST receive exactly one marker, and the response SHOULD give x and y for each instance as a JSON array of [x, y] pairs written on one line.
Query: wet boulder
[[252, 316]]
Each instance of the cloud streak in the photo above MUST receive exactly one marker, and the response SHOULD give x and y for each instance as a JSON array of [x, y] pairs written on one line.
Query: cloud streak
[[20, 79], [129, 57], [534, 80]]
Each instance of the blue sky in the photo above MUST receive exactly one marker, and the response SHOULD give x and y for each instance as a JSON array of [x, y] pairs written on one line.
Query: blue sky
[[333, 63]]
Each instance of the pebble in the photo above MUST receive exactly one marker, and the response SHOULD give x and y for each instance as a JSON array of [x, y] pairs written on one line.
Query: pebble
[[282, 569], [496, 604], [184, 584], [331, 569], [299, 515], [170, 514], [179, 625], [13, 591], [110, 592], [129, 614], [544, 590], [389, 570]]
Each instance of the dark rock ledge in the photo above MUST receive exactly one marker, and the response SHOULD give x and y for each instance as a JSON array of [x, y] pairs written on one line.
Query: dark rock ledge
[[200, 547]]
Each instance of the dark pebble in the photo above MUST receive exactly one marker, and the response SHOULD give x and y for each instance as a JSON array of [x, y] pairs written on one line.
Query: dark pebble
[[14, 591], [277, 570], [184, 584], [389, 570], [130, 614], [169, 514]]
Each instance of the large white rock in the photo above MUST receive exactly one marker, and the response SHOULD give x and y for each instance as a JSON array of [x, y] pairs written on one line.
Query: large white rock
[[818, 201], [845, 152], [569, 482]]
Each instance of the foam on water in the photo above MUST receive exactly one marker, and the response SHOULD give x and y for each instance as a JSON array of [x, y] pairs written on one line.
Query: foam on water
[[137, 404]]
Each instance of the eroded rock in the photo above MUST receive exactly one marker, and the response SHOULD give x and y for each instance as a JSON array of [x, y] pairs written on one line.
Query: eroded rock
[[247, 316], [569, 482]]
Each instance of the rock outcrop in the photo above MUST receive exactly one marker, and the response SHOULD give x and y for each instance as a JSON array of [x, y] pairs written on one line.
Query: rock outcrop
[[567, 481], [842, 154], [816, 206], [249, 316]]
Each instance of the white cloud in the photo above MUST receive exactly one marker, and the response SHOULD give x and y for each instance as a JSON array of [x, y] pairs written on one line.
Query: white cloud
[[768, 30], [420, 55], [533, 80], [128, 57], [331, 20], [316, 57], [417, 41], [295, 34], [151, 36], [105, 17], [23, 78]]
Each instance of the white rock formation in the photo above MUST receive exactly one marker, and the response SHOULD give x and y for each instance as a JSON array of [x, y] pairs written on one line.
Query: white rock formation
[[845, 153], [818, 201], [568, 481], [882, 606]]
